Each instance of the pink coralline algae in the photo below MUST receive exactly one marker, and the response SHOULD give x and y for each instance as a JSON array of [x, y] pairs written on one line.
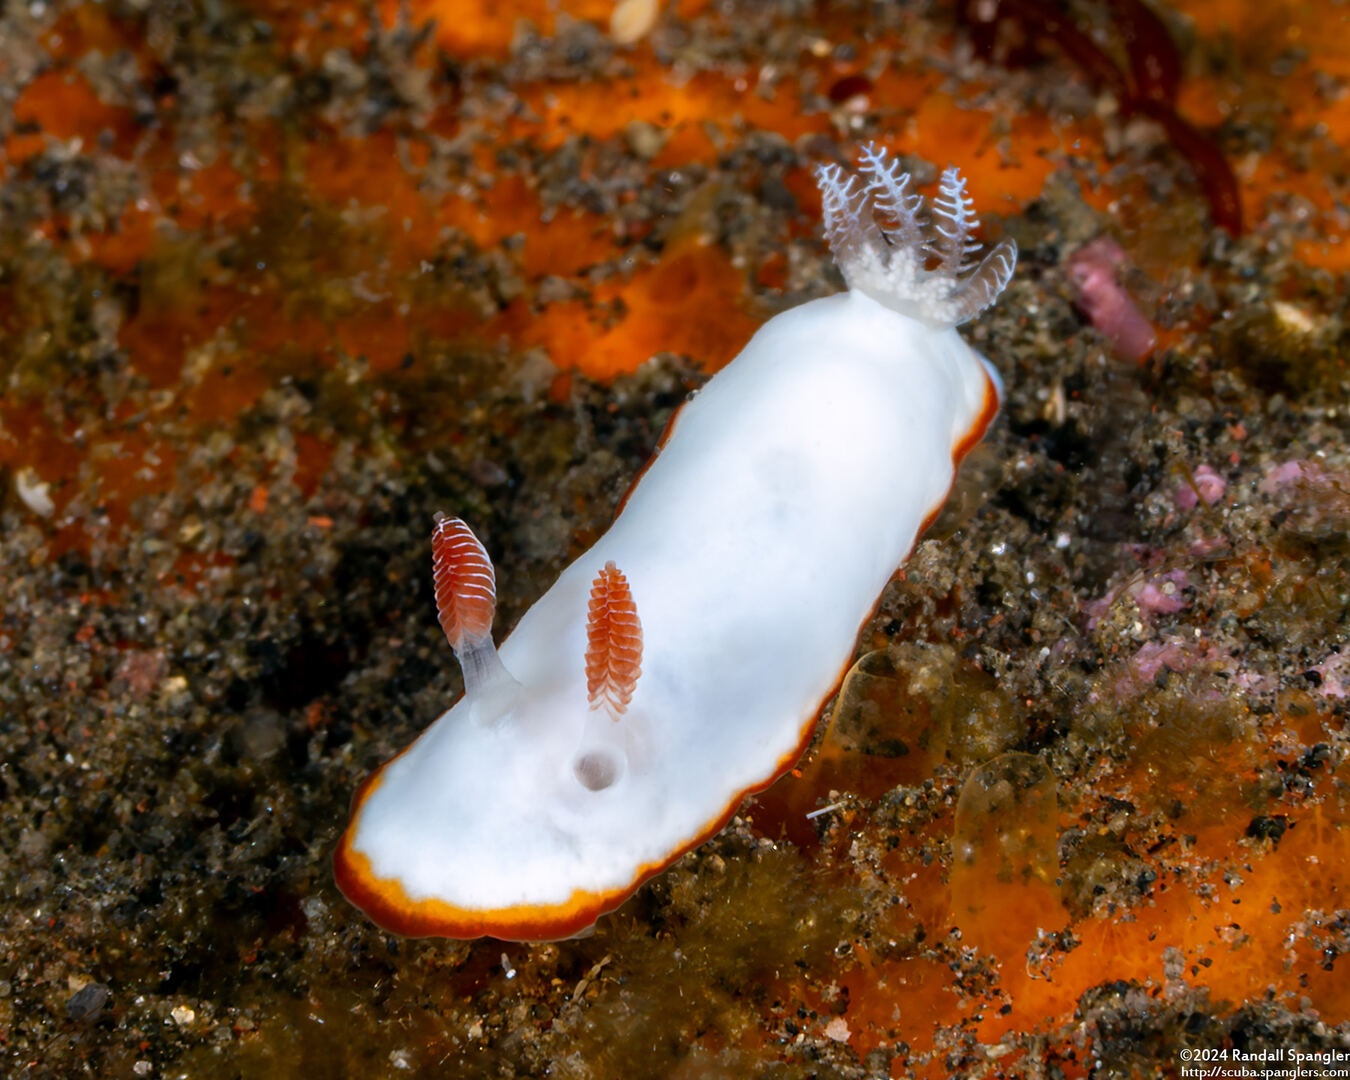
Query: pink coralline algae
[[1334, 672], [1291, 472], [1100, 296], [1208, 485], [1180, 656], [1160, 594], [1171, 654]]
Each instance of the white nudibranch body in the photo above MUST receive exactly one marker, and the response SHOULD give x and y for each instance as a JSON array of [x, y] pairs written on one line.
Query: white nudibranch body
[[680, 663]]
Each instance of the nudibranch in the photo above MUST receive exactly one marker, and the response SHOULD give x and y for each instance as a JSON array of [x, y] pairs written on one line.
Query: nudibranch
[[679, 664]]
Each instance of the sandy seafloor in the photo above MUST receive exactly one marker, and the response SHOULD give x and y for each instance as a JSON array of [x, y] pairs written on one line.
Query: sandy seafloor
[[277, 283]]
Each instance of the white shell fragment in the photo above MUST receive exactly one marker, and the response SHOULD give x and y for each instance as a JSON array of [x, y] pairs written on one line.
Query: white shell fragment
[[34, 493]]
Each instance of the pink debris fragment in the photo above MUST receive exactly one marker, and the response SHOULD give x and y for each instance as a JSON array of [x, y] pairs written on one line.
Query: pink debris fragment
[[837, 1029], [140, 673], [1153, 656], [1335, 672], [1211, 487], [1160, 595], [1290, 472], [1093, 269], [1181, 655], [1204, 546], [1096, 610]]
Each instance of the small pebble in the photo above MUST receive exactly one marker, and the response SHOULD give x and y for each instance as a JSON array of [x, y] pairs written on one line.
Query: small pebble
[[87, 1004]]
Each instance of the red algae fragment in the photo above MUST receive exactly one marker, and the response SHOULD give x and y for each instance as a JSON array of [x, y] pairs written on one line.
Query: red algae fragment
[[1155, 64], [1005, 856], [1093, 270], [1149, 87]]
